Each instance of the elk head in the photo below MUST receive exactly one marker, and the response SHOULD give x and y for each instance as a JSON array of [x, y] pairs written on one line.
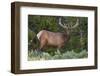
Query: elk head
[[69, 26]]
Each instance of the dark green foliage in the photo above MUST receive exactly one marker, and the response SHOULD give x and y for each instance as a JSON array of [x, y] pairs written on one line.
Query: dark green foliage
[[74, 48]]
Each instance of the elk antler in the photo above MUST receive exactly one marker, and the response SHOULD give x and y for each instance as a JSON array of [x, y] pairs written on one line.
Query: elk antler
[[66, 26], [77, 23]]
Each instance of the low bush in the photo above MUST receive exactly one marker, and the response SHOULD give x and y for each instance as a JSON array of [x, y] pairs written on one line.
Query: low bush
[[36, 55]]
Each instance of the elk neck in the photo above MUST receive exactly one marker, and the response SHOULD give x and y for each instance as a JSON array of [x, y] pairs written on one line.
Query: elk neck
[[67, 35]]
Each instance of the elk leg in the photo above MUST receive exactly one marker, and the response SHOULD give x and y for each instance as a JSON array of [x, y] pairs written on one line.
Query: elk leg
[[58, 49], [42, 44]]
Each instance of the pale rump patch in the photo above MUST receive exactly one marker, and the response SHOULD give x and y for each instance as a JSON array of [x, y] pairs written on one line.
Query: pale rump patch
[[39, 34]]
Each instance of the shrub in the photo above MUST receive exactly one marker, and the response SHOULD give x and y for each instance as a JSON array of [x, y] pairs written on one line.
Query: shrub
[[36, 55]]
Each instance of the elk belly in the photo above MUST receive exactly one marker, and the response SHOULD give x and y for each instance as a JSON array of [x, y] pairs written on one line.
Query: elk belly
[[56, 41]]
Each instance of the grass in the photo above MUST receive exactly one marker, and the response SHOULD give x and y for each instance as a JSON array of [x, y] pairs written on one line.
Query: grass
[[35, 55]]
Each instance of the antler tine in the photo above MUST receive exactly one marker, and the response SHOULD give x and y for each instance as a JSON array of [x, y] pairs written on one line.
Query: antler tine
[[64, 26], [77, 23]]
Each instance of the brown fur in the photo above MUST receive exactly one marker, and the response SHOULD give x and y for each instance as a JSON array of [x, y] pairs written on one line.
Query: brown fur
[[56, 39]]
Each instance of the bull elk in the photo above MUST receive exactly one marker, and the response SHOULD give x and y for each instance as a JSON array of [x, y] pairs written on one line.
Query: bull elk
[[57, 39]]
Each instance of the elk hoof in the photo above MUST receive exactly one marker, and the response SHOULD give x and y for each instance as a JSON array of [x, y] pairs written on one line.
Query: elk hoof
[[38, 51]]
